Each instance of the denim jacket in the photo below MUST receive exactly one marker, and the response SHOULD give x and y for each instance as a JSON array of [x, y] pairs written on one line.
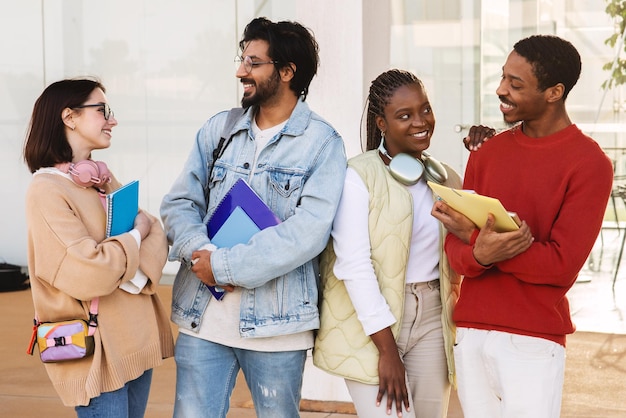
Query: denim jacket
[[299, 174]]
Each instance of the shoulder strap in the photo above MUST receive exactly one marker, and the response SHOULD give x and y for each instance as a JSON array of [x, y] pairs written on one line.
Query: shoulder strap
[[233, 116], [93, 313], [93, 316]]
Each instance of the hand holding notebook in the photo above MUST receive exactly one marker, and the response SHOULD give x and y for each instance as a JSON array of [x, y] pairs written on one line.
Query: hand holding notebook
[[240, 215], [122, 207], [476, 207]]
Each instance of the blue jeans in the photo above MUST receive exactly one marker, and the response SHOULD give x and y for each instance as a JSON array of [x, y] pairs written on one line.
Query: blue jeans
[[129, 401], [206, 374]]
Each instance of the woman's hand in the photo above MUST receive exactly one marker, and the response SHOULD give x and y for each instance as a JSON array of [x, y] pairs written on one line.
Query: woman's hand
[[455, 222], [143, 224], [476, 136], [391, 373]]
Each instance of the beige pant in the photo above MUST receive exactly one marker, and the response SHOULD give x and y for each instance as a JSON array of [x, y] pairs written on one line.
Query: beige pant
[[420, 344]]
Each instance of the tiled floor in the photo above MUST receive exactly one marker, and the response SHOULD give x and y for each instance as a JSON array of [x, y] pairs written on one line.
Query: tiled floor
[[594, 305]]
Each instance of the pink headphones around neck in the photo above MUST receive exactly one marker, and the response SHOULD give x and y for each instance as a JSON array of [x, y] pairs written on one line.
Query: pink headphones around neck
[[87, 173]]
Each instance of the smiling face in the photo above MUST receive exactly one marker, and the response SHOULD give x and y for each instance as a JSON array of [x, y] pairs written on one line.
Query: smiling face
[[261, 84], [520, 97], [86, 127], [408, 121]]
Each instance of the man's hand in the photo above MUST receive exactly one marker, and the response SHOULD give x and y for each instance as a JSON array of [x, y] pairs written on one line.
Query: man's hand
[[201, 266], [491, 246], [455, 222], [476, 136]]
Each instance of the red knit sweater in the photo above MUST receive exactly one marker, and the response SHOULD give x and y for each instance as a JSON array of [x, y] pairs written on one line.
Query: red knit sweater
[[560, 186]]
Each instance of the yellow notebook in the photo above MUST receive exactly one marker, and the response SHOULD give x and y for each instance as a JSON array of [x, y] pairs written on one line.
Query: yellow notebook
[[476, 207]]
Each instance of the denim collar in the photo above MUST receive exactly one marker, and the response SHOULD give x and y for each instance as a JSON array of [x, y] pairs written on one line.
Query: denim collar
[[295, 126]]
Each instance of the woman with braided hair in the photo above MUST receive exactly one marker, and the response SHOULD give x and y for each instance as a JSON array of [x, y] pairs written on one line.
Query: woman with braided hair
[[388, 290]]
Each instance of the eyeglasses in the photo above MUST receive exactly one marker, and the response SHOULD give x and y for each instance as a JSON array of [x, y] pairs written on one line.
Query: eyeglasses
[[248, 64], [106, 110]]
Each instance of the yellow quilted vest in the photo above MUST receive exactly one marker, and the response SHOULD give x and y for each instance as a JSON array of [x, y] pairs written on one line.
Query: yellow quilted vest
[[341, 346]]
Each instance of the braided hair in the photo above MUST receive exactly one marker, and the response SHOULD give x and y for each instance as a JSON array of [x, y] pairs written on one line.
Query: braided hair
[[380, 93], [554, 60]]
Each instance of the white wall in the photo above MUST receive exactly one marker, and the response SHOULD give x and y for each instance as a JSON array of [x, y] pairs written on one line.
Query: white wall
[[167, 67]]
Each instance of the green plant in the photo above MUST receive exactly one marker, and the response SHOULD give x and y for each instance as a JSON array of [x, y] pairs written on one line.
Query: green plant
[[617, 10]]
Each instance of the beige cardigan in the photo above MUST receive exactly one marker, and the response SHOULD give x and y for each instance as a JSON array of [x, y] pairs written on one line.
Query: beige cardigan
[[341, 347], [70, 262]]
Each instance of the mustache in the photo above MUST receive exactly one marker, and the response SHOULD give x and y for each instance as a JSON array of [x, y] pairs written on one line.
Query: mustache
[[505, 101]]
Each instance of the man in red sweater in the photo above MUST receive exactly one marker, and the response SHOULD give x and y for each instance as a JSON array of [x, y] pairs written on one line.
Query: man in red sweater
[[513, 315]]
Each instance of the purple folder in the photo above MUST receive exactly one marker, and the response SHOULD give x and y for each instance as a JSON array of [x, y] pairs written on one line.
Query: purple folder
[[239, 216], [241, 195]]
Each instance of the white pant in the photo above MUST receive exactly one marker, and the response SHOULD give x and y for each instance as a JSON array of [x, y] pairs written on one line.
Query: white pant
[[504, 375], [420, 344]]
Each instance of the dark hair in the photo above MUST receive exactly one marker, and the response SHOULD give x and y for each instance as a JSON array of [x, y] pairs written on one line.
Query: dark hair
[[554, 60], [381, 90], [289, 42], [46, 143]]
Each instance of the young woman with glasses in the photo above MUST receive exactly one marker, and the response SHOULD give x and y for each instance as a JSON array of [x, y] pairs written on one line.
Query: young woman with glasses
[[71, 261]]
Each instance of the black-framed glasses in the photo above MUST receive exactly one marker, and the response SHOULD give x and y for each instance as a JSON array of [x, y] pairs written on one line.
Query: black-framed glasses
[[248, 64], [106, 109]]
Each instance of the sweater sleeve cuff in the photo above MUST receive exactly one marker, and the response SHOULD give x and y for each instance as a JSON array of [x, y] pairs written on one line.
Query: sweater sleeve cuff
[[471, 243], [484, 266], [472, 240], [472, 268]]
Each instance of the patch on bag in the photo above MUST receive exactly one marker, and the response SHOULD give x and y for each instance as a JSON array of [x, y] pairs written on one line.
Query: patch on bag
[[67, 340]]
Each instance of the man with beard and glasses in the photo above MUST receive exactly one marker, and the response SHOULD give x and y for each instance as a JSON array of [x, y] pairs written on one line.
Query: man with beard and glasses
[[513, 316], [295, 161]]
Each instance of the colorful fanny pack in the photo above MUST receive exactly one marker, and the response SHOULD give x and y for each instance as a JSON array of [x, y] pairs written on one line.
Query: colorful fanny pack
[[65, 340]]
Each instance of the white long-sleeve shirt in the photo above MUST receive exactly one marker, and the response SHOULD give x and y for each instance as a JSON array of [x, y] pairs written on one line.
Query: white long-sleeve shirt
[[351, 243]]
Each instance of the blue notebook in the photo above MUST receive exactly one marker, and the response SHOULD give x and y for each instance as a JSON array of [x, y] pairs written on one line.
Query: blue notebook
[[237, 228], [240, 215], [122, 207], [241, 195]]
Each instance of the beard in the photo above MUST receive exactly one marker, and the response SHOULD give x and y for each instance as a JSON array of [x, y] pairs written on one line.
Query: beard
[[265, 91]]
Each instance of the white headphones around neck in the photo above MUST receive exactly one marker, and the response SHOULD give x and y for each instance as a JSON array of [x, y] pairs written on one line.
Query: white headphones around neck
[[408, 170]]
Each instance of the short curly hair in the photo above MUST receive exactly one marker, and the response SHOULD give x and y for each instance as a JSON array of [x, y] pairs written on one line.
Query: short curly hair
[[554, 60]]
